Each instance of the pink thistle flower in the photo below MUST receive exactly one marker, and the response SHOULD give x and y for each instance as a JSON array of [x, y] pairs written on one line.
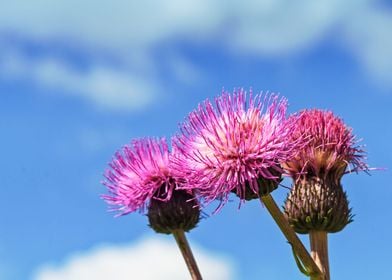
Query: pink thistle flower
[[139, 172], [234, 146], [331, 149], [317, 201], [140, 176]]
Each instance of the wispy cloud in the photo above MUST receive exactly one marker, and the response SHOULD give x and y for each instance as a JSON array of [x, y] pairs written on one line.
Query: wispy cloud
[[148, 259], [282, 27], [104, 86], [129, 31], [369, 35]]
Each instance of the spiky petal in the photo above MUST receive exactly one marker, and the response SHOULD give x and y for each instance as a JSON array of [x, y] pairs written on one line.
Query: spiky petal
[[331, 149], [136, 174], [140, 176], [230, 146]]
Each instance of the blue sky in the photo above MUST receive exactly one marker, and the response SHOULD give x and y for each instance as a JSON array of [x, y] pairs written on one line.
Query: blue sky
[[80, 80]]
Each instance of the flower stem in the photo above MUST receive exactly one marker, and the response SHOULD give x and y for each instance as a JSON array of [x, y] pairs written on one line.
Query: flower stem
[[291, 236], [186, 251], [319, 251]]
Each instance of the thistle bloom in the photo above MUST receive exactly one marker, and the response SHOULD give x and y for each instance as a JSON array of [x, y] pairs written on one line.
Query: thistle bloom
[[140, 176], [236, 146], [331, 149], [136, 174], [317, 200]]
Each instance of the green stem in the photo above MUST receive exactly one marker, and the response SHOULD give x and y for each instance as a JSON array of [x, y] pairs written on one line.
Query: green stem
[[186, 251], [291, 236]]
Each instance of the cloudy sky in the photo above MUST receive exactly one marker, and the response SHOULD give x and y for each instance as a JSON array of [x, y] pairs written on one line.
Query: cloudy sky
[[79, 79]]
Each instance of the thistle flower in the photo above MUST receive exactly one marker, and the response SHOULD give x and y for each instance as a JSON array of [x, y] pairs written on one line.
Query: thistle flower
[[317, 200], [235, 146], [331, 149], [140, 176]]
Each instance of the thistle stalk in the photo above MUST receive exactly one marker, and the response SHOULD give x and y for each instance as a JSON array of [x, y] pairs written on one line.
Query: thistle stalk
[[300, 250], [319, 252], [186, 252]]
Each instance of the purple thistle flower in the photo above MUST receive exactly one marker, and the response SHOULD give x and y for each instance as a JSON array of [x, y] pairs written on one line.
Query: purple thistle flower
[[139, 172], [331, 148], [234, 145], [317, 201], [140, 176]]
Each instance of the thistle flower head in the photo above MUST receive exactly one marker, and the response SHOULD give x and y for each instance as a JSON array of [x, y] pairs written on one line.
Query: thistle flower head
[[317, 200], [140, 176], [139, 172], [331, 147], [234, 145]]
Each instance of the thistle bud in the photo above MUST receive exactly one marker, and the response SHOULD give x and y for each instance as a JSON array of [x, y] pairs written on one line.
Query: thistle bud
[[317, 204], [181, 211]]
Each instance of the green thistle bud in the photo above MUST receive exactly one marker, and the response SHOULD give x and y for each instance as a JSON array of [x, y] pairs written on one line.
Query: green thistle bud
[[317, 204]]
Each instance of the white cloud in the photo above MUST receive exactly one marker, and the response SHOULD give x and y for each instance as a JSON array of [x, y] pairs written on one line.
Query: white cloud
[[130, 31], [266, 26], [262, 26], [106, 87], [148, 259], [116, 25], [275, 27], [369, 34]]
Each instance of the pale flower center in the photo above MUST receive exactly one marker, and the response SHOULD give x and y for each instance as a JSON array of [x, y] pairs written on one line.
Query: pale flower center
[[233, 138]]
